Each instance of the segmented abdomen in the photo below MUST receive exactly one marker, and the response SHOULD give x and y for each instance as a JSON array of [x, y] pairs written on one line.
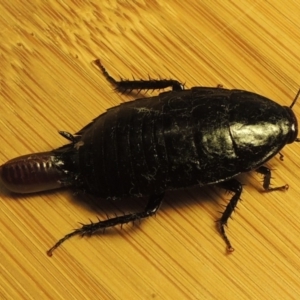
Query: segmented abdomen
[[146, 146], [32, 173]]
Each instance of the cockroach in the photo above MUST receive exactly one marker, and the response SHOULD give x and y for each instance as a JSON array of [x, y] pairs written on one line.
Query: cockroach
[[177, 139]]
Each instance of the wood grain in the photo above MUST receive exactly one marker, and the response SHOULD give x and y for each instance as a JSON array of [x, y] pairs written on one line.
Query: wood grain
[[48, 84]]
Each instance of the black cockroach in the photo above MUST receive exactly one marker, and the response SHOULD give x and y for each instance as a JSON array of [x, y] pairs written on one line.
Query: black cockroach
[[180, 138]]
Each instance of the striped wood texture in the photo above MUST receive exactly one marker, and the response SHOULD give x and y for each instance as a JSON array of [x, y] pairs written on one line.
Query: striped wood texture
[[48, 84]]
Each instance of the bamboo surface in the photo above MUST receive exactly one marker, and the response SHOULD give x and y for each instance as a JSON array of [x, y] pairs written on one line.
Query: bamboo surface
[[48, 83]]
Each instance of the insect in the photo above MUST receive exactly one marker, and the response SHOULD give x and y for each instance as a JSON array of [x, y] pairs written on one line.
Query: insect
[[177, 139]]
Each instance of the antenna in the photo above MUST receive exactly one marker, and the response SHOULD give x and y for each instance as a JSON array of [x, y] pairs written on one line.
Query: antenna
[[295, 100]]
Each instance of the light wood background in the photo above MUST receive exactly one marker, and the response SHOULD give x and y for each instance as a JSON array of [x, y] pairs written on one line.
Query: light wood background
[[48, 84]]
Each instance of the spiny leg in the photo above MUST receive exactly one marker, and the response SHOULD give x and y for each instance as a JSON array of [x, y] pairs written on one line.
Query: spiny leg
[[236, 187], [153, 205], [126, 86], [266, 172]]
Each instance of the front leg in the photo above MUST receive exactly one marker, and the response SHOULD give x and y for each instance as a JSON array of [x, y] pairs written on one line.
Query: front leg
[[236, 187], [266, 172]]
